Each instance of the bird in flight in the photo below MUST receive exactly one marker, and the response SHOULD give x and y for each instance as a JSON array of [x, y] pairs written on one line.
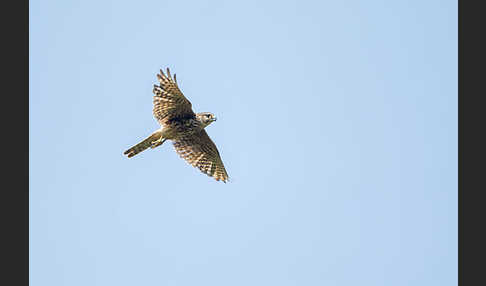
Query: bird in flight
[[184, 128]]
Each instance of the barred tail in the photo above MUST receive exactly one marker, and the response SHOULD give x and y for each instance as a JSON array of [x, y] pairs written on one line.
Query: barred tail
[[144, 144]]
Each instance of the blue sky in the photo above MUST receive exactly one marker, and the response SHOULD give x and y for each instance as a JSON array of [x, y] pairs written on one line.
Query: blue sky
[[337, 123]]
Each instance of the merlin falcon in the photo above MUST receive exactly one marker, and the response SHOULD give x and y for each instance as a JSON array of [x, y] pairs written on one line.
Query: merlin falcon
[[184, 128]]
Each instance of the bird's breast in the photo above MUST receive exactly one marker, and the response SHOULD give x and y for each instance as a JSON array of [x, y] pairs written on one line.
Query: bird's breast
[[181, 128]]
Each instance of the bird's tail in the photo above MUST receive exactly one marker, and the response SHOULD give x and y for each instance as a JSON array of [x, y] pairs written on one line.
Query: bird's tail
[[145, 144]]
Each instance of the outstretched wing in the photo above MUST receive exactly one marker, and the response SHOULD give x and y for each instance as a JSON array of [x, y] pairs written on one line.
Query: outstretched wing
[[201, 152], [169, 102]]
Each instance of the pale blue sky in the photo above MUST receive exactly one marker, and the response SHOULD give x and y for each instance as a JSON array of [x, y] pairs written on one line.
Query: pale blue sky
[[337, 122]]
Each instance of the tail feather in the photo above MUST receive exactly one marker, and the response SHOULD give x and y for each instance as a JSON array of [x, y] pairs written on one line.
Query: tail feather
[[146, 143]]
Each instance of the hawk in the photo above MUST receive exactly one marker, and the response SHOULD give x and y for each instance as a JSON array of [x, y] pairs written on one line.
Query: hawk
[[184, 128]]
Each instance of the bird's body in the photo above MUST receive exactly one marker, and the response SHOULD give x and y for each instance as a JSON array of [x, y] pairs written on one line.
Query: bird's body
[[177, 129], [184, 127]]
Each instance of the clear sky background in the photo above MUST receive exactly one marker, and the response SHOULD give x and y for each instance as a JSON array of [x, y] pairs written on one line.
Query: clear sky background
[[337, 123]]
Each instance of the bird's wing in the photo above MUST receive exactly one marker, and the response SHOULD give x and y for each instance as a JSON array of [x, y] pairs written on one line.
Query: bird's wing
[[201, 152], [169, 102]]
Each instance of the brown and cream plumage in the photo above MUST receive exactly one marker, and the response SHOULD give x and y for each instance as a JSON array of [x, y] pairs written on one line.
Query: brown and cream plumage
[[184, 128]]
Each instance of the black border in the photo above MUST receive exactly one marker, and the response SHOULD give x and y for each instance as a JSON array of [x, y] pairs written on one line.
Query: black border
[[15, 143], [471, 140]]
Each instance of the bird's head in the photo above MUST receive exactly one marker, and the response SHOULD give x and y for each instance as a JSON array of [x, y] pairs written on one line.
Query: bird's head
[[206, 118]]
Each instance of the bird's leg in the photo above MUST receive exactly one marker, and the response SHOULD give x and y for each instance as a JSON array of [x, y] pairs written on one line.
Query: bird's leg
[[158, 142]]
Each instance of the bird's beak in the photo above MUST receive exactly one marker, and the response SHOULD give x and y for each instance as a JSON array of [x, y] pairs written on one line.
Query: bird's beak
[[214, 118]]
